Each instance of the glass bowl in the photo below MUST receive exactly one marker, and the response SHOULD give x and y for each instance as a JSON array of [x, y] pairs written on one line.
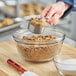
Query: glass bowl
[[38, 51], [66, 64]]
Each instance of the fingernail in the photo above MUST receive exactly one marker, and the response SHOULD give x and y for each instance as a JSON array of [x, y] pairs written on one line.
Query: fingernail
[[47, 17], [47, 21], [54, 24], [51, 24], [42, 16]]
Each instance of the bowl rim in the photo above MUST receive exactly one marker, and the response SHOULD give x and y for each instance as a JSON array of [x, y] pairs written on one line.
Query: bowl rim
[[28, 42], [55, 61]]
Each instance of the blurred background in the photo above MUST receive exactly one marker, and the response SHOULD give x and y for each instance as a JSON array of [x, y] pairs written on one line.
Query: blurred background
[[12, 12]]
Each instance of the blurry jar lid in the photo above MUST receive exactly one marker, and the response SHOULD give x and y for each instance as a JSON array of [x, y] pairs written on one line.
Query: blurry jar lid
[[11, 2], [1, 4]]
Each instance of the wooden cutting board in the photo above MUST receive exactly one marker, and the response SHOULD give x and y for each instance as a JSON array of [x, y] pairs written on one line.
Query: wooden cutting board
[[8, 51]]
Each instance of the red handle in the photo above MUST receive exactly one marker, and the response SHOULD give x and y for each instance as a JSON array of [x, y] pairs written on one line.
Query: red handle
[[16, 66]]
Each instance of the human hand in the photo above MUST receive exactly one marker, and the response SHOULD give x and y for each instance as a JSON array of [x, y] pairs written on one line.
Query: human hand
[[53, 13]]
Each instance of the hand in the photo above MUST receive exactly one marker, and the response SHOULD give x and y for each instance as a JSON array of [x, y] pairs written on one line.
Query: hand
[[53, 13]]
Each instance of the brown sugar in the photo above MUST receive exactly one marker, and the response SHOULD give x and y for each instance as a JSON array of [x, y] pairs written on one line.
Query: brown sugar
[[37, 22], [39, 52], [39, 38]]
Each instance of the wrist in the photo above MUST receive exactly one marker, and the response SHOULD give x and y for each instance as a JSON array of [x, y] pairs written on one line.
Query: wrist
[[65, 5]]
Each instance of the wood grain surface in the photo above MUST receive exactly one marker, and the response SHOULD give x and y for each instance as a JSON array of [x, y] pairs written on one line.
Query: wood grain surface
[[8, 51]]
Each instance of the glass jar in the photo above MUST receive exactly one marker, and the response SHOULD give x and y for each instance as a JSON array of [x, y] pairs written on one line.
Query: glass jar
[[39, 50]]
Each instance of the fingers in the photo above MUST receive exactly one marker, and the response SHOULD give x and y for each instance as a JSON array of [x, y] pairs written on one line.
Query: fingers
[[54, 20], [45, 12], [50, 14]]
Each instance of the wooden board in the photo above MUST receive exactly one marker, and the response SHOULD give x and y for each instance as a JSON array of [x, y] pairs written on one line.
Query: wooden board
[[8, 51]]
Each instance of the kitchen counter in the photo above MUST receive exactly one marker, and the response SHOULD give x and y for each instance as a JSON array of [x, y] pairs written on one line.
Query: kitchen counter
[[8, 50]]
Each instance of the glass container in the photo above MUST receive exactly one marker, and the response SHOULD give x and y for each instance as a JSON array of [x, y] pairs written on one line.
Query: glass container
[[40, 49], [66, 64]]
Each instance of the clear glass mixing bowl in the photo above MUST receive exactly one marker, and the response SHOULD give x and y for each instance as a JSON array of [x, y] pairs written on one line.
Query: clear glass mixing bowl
[[39, 51]]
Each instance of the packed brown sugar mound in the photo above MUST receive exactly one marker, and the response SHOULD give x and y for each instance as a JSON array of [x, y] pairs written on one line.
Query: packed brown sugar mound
[[39, 38], [37, 22], [39, 52]]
